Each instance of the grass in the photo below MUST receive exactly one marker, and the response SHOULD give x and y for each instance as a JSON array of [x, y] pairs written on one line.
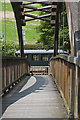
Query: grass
[[34, 12], [31, 35], [0, 6], [8, 7], [10, 30]]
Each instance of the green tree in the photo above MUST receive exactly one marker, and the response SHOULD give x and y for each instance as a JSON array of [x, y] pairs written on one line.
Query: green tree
[[47, 33], [9, 48], [66, 30], [46, 36]]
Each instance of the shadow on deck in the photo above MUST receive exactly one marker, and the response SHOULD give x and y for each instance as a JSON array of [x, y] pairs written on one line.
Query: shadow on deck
[[34, 97]]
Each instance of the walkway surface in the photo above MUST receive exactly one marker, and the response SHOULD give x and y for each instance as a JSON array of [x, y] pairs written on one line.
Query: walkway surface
[[34, 97]]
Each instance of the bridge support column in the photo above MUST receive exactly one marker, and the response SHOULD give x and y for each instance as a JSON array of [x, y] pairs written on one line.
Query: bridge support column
[[16, 9], [57, 29]]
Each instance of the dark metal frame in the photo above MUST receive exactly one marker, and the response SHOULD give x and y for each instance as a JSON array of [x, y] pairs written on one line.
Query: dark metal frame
[[20, 19]]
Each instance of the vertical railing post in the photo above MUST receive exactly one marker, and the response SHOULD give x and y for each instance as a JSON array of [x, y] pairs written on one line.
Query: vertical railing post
[[4, 75], [12, 69], [79, 92], [72, 90], [67, 77], [63, 77], [76, 93]]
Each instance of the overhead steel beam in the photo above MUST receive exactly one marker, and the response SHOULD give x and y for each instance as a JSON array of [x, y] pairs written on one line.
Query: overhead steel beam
[[19, 15], [44, 19], [56, 33], [37, 17], [31, 10], [41, 8], [43, 3], [16, 9]]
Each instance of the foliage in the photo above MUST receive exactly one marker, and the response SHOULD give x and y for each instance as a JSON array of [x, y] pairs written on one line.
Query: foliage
[[47, 33], [66, 38], [7, 5], [33, 46], [38, 34], [9, 48], [46, 36], [66, 31], [31, 35]]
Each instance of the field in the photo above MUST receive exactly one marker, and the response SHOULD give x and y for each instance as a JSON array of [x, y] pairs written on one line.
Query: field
[[31, 35]]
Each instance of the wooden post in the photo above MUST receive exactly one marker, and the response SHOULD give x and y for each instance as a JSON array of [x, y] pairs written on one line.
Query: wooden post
[[79, 92]]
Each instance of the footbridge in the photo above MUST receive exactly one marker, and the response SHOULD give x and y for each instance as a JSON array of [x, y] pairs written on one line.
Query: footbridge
[[56, 94]]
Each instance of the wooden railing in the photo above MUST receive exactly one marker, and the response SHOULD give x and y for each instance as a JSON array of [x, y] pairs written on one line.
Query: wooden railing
[[39, 70], [66, 73], [13, 68]]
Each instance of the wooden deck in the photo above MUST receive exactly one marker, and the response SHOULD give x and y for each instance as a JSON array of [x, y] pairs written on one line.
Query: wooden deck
[[34, 97]]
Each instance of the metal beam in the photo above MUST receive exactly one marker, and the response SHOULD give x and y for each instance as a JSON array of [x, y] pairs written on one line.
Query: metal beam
[[31, 10], [57, 29], [43, 3], [16, 9], [41, 8], [37, 17], [44, 19]]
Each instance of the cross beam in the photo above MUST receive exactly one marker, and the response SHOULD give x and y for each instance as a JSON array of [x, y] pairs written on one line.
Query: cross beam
[[52, 10]]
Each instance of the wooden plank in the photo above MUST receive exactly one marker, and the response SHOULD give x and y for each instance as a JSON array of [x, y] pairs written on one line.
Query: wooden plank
[[34, 97], [54, 6]]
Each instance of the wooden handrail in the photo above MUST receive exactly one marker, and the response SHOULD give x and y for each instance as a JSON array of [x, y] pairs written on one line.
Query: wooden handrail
[[13, 68], [66, 72]]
